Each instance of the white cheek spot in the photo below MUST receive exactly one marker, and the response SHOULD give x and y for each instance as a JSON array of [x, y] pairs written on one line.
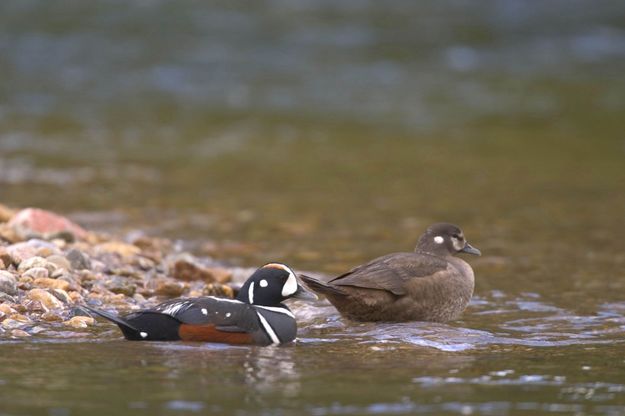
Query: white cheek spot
[[290, 287], [204, 311], [263, 283], [143, 334], [228, 315], [439, 240]]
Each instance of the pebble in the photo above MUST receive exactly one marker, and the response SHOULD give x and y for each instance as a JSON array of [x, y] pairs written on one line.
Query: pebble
[[116, 247], [187, 270], [8, 283], [35, 262], [120, 285], [166, 287], [36, 273], [19, 333], [5, 257], [48, 300], [59, 261], [26, 249], [78, 260], [80, 322], [46, 282]]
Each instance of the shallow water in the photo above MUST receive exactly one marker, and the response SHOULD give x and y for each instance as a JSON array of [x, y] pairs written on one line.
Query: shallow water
[[324, 135]]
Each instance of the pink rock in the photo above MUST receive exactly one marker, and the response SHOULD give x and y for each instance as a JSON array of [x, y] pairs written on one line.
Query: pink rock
[[33, 222]]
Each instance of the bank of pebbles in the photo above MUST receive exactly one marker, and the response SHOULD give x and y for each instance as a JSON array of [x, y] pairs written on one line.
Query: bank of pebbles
[[49, 266]]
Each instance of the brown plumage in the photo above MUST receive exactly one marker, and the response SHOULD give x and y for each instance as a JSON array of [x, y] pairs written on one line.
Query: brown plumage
[[429, 284]]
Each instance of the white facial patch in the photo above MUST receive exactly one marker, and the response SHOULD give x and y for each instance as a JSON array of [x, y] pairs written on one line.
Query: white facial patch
[[143, 334], [204, 311], [439, 240], [263, 283], [250, 293], [458, 245], [290, 287]]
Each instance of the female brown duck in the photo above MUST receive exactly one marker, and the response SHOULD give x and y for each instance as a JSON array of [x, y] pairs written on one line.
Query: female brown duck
[[429, 284]]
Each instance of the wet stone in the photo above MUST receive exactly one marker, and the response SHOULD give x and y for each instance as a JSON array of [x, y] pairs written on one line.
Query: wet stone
[[48, 300], [120, 285], [19, 333], [80, 322]]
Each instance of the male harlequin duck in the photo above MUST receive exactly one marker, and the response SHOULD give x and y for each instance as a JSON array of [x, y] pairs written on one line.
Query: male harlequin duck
[[257, 316], [429, 284]]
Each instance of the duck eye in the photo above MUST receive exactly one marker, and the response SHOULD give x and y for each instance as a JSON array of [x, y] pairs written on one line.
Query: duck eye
[[457, 237]]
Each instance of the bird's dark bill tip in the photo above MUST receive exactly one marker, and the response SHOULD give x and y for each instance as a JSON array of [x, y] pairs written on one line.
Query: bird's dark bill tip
[[469, 249]]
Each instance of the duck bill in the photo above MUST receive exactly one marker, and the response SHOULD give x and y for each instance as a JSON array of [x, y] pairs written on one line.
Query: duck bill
[[469, 249], [304, 294]]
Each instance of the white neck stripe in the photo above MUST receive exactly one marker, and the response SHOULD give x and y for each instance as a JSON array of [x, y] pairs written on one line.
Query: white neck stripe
[[277, 309], [250, 294], [268, 329]]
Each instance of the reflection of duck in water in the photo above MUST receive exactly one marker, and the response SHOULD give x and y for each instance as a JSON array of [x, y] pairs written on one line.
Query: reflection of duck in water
[[271, 370], [256, 316], [429, 284]]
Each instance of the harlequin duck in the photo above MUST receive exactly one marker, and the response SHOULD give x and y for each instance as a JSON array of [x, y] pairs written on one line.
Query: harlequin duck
[[429, 284], [256, 316]]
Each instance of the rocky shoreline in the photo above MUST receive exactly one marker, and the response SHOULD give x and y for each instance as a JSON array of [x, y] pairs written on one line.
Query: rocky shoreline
[[50, 266]]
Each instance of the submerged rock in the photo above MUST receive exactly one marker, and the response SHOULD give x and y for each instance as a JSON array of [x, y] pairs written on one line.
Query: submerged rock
[[80, 322]]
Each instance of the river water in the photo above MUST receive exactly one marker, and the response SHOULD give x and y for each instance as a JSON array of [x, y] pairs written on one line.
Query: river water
[[323, 134]]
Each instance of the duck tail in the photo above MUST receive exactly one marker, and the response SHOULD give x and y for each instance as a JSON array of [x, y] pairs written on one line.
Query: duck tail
[[319, 286], [128, 330]]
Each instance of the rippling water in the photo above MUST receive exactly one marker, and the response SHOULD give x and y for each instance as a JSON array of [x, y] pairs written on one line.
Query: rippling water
[[324, 134]]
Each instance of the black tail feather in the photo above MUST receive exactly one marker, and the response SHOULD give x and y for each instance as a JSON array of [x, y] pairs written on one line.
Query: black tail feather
[[129, 331], [318, 286], [143, 325]]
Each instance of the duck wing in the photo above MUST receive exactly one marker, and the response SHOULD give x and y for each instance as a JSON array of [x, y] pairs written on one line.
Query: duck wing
[[391, 272]]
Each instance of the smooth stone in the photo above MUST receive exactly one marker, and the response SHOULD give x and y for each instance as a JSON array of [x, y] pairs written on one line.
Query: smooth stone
[[120, 285], [59, 261], [36, 273], [166, 287], [8, 283], [48, 300], [6, 213], [34, 222], [46, 282], [5, 257], [27, 249], [78, 260], [116, 247], [80, 322], [19, 333], [188, 270], [51, 317], [35, 262], [6, 309]]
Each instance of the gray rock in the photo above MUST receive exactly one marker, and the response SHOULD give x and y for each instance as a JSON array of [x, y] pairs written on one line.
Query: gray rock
[[8, 283], [78, 260]]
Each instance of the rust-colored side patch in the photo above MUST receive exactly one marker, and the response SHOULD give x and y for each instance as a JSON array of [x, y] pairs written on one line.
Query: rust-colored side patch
[[208, 333]]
